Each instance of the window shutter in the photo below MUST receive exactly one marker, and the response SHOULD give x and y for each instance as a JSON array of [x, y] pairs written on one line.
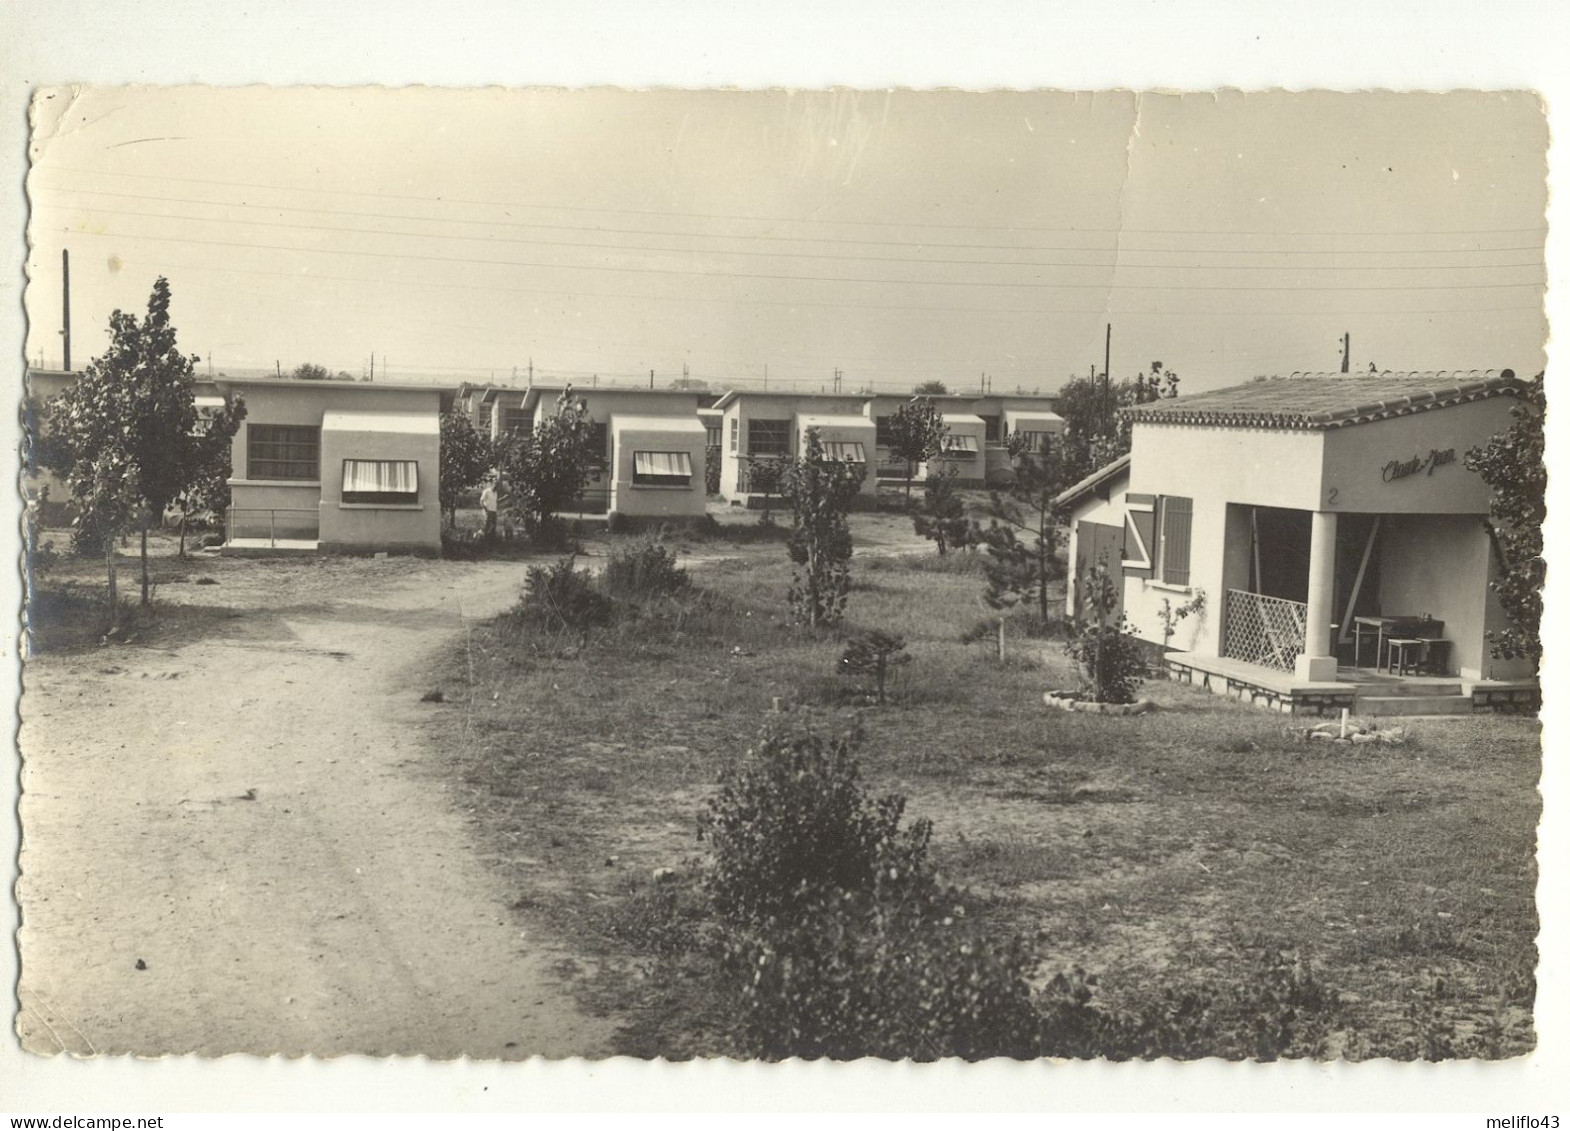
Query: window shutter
[[1139, 534], [1177, 521]]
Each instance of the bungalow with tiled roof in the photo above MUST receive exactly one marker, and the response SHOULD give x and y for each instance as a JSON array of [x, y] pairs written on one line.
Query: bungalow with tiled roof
[[1328, 523]]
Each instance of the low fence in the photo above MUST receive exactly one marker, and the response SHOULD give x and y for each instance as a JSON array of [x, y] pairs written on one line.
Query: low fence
[[1268, 631]]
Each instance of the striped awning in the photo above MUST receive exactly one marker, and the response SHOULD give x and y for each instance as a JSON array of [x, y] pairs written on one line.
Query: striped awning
[[662, 463]]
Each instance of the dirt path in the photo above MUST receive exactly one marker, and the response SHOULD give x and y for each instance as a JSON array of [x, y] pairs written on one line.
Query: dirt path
[[246, 817]]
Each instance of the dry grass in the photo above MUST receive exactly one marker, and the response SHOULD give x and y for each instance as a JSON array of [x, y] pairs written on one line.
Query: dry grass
[[1156, 850]]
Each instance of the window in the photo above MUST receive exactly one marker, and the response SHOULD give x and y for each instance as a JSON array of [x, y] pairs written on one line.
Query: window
[[599, 443], [1176, 520], [847, 451], [1039, 443], [711, 435], [661, 469], [735, 434], [282, 451], [960, 446], [885, 438], [768, 437], [381, 481], [994, 428], [516, 420]]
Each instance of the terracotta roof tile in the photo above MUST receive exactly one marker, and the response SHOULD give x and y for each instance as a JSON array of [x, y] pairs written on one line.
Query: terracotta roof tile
[[1327, 400]]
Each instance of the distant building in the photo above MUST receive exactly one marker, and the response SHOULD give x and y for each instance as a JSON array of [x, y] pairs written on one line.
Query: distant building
[[336, 467]]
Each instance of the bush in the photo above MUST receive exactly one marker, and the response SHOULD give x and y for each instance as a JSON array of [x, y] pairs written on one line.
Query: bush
[[873, 654], [1110, 659], [647, 569], [883, 973], [712, 463], [792, 821], [560, 598]]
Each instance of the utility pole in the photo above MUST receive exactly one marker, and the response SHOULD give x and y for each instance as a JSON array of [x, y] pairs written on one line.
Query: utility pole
[[651, 378], [1106, 367], [531, 372], [685, 380], [65, 298], [1346, 351], [278, 367], [373, 365], [765, 376]]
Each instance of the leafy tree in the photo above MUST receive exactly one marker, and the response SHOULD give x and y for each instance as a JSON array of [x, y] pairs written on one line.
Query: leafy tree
[[209, 488], [916, 432], [942, 518], [546, 470], [309, 371], [764, 476], [1094, 434], [1022, 533], [466, 459], [820, 492], [126, 434], [931, 389], [1511, 463]]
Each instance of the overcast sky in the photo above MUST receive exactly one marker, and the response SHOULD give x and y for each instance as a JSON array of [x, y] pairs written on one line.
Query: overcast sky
[[896, 236]]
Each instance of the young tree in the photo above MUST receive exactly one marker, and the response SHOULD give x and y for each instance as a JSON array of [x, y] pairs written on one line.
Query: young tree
[[209, 488], [126, 434], [916, 432], [466, 458], [931, 389], [1511, 463], [764, 476], [1022, 533], [943, 518], [549, 468], [820, 492]]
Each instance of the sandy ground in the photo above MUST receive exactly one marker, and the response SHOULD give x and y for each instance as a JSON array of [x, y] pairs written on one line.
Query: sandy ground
[[234, 845]]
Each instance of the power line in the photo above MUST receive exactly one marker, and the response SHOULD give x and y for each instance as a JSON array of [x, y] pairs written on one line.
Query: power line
[[1098, 311], [1118, 263], [771, 219], [987, 283], [1117, 246]]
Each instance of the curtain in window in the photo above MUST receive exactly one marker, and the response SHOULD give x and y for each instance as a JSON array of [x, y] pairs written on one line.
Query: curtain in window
[[846, 450], [960, 442], [672, 469], [380, 477]]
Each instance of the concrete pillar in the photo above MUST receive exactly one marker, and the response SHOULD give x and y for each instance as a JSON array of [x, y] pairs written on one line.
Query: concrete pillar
[[1318, 661]]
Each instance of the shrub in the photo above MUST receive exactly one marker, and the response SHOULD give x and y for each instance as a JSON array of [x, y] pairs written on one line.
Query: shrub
[[560, 598], [881, 973], [1110, 659], [712, 463], [791, 821], [647, 569], [873, 654]]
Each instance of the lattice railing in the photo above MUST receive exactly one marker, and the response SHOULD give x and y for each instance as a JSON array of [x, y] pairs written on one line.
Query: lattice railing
[[1268, 631]]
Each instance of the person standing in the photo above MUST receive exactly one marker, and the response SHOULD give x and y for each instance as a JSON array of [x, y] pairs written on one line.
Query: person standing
[[488, 502]]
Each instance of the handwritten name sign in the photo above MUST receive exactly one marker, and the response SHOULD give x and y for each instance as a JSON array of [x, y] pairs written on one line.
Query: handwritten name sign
[[1418, 465]]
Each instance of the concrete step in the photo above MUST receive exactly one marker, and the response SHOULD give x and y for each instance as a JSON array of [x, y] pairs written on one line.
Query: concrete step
[[1399, 705]]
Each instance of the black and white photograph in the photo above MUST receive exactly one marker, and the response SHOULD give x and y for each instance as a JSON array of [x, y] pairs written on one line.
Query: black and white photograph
[[762, 574]]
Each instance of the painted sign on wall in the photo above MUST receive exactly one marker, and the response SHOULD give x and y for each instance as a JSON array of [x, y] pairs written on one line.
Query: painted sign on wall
[[1418, 465]]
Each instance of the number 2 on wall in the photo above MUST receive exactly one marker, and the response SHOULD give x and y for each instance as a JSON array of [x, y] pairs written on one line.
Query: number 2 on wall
[[1330, 499]]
